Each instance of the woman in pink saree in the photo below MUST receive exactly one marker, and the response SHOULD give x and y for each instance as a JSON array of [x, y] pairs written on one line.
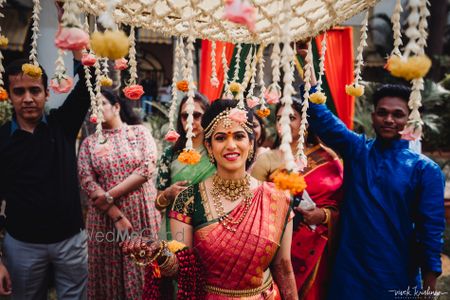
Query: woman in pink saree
[[235, 231]]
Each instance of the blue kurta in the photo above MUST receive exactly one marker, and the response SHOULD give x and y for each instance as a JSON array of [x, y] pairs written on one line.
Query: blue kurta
[[392, 216]]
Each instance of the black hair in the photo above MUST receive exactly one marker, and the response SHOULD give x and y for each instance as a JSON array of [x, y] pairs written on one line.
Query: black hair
[[391, 90], [127, 113], [181, 142], [297, 105], [221, 105], [261, 122], [15, 68]]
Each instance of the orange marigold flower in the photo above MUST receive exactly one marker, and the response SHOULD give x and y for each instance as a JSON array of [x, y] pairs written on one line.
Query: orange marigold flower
[[3, 41], [354, 90], [411, 68], [174, 246], [183, 85], [262, 113], [292, 181], [31, 70], [318, 98], [189, 157], [3, 94], [235, 88], [106, 81]]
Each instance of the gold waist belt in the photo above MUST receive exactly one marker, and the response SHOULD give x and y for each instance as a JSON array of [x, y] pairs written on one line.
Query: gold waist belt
[[240, 293]]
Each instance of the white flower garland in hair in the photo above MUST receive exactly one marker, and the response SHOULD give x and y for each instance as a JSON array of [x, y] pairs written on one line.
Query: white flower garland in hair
[[226, 86], [304, 121], [191, 93], [286, 57], [356, 89], [132, 57], [214, 81], [35, 29], [417, 33], [396, 28]]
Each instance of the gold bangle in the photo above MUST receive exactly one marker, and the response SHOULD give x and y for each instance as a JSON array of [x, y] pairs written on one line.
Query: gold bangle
[[160, 206], [327, 215]]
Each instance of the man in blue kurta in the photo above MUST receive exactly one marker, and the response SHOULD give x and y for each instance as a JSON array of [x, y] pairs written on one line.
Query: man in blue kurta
[[392, 218]]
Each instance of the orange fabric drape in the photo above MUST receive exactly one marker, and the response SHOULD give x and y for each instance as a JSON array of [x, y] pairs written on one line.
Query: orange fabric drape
[[205, 86], [339, 70]]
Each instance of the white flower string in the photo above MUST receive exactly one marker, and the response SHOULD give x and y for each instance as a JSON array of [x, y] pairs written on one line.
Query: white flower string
[[105, 69], [106, 18], [246, 79], [396, 28], [2, 69], [176, 67], [98, 98], [69, 17], [226, 86], [417, 34], [184, 63], [286, 57], [191, 93], [214, 81], [253, 70], [274, 87], [323, 50], [304, 121], [132, 57], [35, 30], [261, 82], [356, 89], [237, 63]]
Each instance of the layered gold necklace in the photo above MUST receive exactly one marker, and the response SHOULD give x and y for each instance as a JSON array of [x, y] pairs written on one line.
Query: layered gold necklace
[[231, 190]]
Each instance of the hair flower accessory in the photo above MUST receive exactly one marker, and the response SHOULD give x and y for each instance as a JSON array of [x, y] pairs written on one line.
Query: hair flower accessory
[[318, 98], [134, 91], [183, 85], [263, 112], [292, 181], [71, 38], [32, 70], [238, 115], [3, 94], [110, 44], [171, 136], [120, 64], [354, 90], [88, 59], [3, 41], [189, 157], [252, 102], [61, 85], [240, 12]]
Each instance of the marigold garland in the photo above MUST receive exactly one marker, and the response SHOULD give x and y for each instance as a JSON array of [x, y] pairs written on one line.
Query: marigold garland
[[183, 86], [189, 157], [318, 98], [356, 91], [31, 70], [3, 41], [3, 94], [110, 44], [263, 112], [106, 81], [292, 181], [410, 68]]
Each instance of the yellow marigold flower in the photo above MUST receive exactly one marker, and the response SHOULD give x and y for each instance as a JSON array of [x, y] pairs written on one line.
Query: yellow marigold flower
[[292, 181], [318, 98], [106, 81], [110, 44], [175, 246], [189, 157], [3, 41], [411, 68], [31, 70], [235, 87], [353, 90], [3, 94], [183, 85], [262, 113]]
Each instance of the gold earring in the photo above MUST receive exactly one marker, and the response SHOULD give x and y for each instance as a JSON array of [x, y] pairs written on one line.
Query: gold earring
[[250, 154], [211, 158]]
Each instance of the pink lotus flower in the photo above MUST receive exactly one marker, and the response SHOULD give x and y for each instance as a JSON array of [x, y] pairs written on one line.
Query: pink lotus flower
[[272, 96], [215, 82], [93, 119], [240, 12], [252, 102], [238, 115], [171, 136], [411, 132], [88, 59], [61, 86], [120, 64], [134, 92], [71, 38]]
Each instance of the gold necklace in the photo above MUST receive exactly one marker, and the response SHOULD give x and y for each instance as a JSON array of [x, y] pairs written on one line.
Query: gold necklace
[[232, 189], [218, 191]]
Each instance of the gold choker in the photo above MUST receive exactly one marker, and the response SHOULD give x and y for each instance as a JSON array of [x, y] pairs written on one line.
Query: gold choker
[[232, 189]]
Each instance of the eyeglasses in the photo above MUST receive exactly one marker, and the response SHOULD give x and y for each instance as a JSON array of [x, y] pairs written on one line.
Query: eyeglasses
[[197, 115]]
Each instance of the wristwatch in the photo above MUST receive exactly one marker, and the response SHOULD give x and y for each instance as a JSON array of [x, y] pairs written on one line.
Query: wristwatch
[[109, 198]]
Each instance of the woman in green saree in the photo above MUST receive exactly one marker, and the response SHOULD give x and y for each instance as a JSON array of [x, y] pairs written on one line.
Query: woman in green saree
[[173, 176], [235, 231]]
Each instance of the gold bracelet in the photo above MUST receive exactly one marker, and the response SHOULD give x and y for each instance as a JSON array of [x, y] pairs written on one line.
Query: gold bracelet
[[327, 215], [160, 206]]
